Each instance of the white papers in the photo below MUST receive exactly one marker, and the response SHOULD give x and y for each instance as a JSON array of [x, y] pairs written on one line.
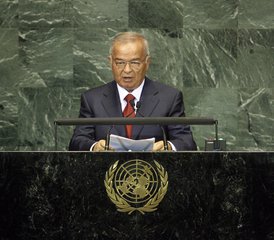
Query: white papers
[[121, 144]]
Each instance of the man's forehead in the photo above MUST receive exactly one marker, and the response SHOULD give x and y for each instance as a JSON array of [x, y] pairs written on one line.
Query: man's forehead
[[128, 47]]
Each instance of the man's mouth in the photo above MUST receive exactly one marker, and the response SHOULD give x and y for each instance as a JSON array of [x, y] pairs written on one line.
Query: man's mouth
[[127, 79]]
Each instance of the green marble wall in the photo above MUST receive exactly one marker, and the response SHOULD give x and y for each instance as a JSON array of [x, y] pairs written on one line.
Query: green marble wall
[[219, 53]]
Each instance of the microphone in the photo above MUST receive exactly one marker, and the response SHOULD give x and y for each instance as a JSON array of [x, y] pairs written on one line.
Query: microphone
[[138, 105]]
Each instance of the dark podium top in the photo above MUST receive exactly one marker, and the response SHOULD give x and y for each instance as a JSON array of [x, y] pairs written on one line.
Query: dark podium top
[[210, 195]]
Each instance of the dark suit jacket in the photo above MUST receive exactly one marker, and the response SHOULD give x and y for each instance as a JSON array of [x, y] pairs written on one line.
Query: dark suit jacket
[[157, 100]]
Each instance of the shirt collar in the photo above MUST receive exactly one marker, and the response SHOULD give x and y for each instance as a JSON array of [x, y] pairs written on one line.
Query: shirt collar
[[136, 92]]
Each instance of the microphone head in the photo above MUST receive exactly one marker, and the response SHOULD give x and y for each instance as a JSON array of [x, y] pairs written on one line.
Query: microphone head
[[138, 105]]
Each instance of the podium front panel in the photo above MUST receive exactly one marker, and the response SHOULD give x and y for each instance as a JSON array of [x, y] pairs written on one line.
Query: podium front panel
[[200, 195]]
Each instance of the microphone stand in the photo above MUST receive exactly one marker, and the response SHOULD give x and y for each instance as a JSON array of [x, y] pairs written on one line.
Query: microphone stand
[[164, 138], [108, 138]]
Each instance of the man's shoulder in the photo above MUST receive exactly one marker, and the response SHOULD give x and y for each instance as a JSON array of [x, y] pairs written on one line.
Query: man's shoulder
[[162, 87]]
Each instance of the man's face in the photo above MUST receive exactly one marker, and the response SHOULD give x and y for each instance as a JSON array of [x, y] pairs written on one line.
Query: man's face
[[129, 63]]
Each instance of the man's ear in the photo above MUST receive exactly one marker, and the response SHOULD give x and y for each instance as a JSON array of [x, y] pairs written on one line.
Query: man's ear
[[110, 59]]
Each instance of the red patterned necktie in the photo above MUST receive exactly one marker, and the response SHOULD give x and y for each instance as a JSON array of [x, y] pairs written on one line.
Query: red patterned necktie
[[129, 111]]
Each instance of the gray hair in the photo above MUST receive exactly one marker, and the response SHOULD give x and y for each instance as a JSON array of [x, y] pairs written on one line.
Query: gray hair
[[129, 36]]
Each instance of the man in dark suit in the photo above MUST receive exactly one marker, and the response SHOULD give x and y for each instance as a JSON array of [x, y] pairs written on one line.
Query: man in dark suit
[[129, 59]]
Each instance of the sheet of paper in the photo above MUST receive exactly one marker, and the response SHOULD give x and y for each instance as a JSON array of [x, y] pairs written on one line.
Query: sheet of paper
[[122, 144]]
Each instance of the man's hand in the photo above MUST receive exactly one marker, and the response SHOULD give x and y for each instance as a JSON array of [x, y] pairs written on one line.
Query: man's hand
[[99, 146], [159, 146]]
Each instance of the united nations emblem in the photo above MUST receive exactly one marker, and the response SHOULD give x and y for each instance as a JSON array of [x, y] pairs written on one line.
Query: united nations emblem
[[136, 185]]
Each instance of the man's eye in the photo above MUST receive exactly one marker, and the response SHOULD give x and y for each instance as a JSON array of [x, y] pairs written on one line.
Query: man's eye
[[120, 63], [135, 63]]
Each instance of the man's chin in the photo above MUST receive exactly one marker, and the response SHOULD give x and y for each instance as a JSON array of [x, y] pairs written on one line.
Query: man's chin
[[127, 85]]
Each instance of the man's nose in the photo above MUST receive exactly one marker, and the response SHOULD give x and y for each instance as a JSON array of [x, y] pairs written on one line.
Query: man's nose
[[127, 68]]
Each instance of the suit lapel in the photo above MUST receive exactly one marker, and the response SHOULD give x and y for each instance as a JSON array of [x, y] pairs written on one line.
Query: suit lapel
[[112, 105], [149, 101]]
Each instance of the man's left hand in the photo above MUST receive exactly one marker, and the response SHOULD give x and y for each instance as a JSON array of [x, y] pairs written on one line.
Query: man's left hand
[[159, 146]]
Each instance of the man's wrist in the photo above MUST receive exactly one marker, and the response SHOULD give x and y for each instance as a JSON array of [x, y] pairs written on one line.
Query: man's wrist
[[92, 146], [173, 148]]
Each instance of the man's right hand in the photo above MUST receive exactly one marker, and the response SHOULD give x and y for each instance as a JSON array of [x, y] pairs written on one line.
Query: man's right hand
[[99, 146]]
